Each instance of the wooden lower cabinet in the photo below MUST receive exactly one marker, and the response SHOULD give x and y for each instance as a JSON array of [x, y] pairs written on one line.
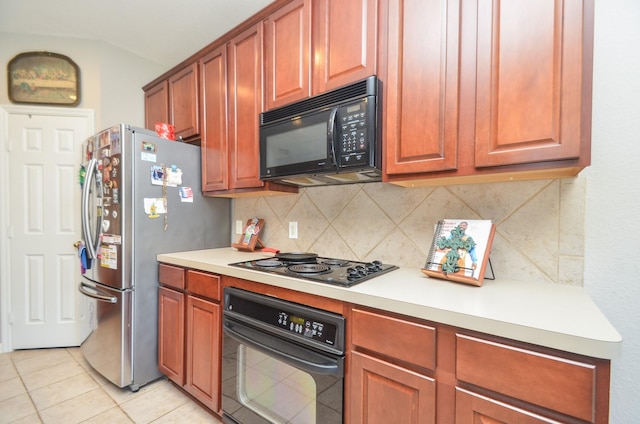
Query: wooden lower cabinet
[[391, 374], [554, 384], [171, 334], [407, 370], [400, 369], [189, 332], [472, 408], [203, 351], [382, 392]]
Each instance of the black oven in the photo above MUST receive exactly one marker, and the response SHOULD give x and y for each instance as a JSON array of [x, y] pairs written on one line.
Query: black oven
[[282, 362]]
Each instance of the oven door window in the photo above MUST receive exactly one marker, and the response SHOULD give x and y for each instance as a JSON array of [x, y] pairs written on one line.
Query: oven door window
[[274, 390], [259, 388]]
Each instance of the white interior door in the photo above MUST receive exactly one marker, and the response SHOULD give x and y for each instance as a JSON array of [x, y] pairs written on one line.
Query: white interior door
[[44, 156]]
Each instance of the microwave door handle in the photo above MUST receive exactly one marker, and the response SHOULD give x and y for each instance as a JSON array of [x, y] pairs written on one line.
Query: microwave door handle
[[331, 135]]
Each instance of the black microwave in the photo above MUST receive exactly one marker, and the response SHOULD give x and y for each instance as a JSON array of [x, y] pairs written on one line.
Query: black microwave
[[331, 138]]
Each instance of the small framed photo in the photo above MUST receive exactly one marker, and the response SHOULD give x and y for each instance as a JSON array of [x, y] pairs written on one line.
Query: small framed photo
[[43, 78]]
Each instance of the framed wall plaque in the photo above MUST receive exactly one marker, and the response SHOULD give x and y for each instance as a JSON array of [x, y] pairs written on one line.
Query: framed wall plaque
[[43, 78]]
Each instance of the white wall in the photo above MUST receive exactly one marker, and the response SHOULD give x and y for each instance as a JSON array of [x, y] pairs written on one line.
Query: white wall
[[111, 79], [612, 224]]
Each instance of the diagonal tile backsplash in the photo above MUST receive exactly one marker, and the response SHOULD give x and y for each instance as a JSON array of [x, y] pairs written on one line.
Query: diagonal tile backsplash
[[539, 237]]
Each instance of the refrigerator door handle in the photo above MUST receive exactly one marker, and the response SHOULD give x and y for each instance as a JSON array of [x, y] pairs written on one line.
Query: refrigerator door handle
[[90, 243], [96, 293]]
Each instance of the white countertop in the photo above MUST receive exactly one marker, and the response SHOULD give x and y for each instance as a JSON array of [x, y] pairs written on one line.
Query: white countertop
[[545, 314]]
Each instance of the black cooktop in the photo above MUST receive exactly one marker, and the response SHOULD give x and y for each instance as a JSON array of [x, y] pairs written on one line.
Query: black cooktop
[[309, 266]]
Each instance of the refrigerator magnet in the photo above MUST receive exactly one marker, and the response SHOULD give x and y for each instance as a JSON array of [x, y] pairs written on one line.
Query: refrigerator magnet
[[157, 175], [174, 176], [148, 153], [186, 194], [154, 206]]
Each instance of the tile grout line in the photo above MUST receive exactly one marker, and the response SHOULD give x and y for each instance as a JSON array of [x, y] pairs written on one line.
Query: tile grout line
[[33, 404]]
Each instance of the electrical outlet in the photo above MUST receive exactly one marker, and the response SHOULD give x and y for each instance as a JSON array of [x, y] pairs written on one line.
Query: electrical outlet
[[293, 230], [239, 226]]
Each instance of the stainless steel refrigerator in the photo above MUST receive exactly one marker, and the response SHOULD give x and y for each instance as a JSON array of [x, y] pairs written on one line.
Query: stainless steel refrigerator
[[141, 195]]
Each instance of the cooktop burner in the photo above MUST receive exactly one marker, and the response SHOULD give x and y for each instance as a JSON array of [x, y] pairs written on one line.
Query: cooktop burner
[[309, 266]]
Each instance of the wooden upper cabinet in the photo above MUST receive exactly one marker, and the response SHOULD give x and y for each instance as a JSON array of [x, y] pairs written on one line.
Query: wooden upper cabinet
[[533, 95], [184, 102], [314, 47], [175, 101], [421, 86], [214, 143], [156, 104], [287, 59], [344, 42], [245, 106]]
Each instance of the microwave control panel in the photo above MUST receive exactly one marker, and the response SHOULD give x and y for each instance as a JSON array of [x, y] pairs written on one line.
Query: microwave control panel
[[357, 127]]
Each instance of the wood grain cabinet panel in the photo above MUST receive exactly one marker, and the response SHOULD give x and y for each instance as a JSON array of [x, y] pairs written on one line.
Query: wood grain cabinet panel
[[203, 284], [171, 334], [559, 384], [287, 60], [472, 408], [156, 104], [203, 351], [395, 338], [172, 276], [344, 46], [214, 142], [533, 97], [189, 332], [422, 86], [175, 100], [385, 393], [184, 102], [245, 105]]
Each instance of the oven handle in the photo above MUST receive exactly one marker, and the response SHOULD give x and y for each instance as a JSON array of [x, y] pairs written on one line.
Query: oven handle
[[290, 353]]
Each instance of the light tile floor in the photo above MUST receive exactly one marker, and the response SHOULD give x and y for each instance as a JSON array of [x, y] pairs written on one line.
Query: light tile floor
[[53, 386]]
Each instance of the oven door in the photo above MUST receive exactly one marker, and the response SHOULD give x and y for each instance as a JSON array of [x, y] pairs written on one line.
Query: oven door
[[266, 379]]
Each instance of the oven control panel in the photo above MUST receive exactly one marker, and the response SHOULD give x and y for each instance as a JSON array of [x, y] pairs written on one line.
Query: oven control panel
[[305, 327], [290, 320]]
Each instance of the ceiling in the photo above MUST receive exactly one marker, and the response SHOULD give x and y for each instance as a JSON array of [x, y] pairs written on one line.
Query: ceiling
[[163, 31]]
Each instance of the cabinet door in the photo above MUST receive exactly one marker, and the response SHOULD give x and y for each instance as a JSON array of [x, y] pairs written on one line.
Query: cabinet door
[[213, 86], [344, 42], [245, 106], [472, 408], [156, 105], [203, 351], [533, 100], [383, 393], [421, 87], [171, 334], [287, 46], [183, 102]]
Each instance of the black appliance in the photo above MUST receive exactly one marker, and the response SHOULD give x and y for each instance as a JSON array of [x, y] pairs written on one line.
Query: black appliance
[[332, 138], [282, 362], [309, 266]]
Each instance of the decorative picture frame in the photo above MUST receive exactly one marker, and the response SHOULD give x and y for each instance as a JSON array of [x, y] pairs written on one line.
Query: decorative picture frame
[[43, 78]]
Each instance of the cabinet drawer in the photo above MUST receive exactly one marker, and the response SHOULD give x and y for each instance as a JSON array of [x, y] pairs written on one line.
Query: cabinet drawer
[[396, 338], [203, 284], [171, 276], [552, 382]]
